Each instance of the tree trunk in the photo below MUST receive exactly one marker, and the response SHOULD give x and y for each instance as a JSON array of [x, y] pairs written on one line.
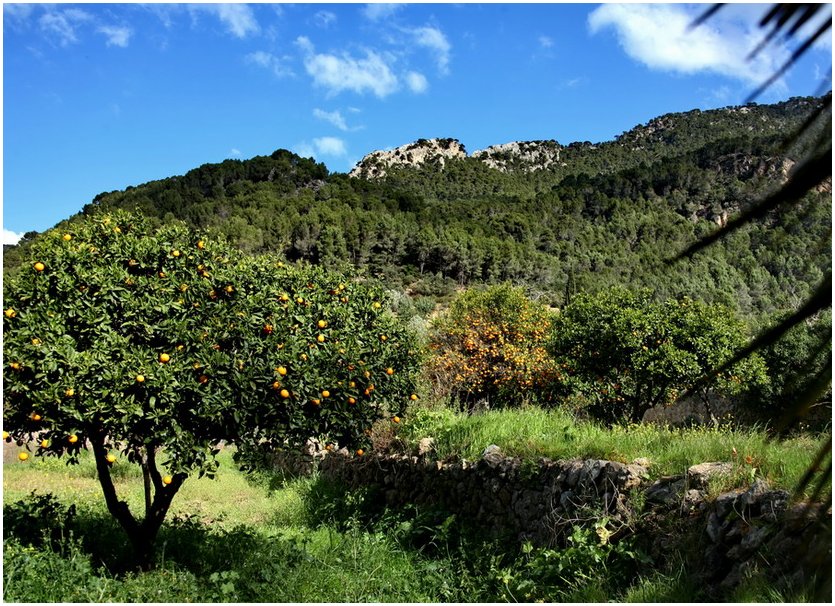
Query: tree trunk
[[142, 535]]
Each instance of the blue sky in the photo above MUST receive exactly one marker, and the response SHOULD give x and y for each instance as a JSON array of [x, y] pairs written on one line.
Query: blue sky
[[97, 97]]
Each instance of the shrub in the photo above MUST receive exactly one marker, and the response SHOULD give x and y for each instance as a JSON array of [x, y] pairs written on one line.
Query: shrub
[[626, 353], [489, 347]]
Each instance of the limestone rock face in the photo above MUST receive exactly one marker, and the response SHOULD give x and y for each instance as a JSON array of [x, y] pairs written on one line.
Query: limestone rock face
[[526, 156], [376, 164]]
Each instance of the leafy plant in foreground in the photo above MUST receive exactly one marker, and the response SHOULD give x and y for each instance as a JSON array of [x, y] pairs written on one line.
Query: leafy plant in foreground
[[160, 344]]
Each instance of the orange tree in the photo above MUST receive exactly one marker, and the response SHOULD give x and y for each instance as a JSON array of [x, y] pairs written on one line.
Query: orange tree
[[489, 347], [626, 353], [160, 344]]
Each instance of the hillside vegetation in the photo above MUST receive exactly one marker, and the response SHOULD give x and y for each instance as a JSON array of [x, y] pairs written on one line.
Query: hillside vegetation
[[605, 214]]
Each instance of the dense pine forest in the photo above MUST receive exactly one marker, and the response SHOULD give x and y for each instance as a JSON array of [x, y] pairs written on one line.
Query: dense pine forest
[[606, 214]]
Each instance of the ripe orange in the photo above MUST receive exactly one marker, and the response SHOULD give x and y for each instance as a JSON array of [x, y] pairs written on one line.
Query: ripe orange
[[360, 452], [229, 288], [35, 417], [321, 323], [281, 370], [161, 274], [326, 394], [316, 401], [111, 458], [72, 438], [202, 379], [201, 244], [44, 443], [69, 392], [140, 379], [383, 338], [39, 266], [413, 397], [367, 374], [389, 371], [284, 394], [5, 435], [164, 358], [167, 480], [352, 384], [67, 237], [23, 456], [276, 385], [175, 253], [10, 313], [300, 300], [376, 305], [321, 338], [268, 329], [352, 401], [396, 419], [284, 298], [15, 365]]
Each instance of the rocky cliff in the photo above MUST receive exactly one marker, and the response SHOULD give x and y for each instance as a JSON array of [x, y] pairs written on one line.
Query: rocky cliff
[[524, 156]]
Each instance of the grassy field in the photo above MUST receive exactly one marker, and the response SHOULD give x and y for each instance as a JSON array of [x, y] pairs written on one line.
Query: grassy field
[[246, 538]]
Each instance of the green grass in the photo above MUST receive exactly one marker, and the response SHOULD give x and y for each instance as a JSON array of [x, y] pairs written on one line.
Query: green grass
[[240, 538], [532, 432]]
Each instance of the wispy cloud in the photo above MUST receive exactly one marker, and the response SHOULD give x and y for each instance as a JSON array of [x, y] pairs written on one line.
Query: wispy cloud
[[346, 73], [11, 237], [435, 40], [659, 37], [116, 36], [324, 19], [239, 19], [546, 42], [377, 12], [334, 117], [322, 146], [62, 25], [235, 152], [417, 82], [277, 65]]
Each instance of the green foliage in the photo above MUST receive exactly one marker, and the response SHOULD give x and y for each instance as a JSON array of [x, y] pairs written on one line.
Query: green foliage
[[626, 353], [489, 346], [606, 215], [137, 340]]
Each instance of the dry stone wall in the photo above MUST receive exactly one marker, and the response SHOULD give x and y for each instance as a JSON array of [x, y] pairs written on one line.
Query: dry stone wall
[[541, 501]]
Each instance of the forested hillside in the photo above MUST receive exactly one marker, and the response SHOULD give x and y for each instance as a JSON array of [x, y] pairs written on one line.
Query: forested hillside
[[604, 214]]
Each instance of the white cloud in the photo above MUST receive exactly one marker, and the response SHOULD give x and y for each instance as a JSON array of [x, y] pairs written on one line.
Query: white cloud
[[546, 42], [416, 82], [330, 146], [341, 73], [324, 18], [11, 237], [63, 24], [235, 152], [435, 40], [376, 12], [658, 36], [239, 19], [116, 36], [334, 118], [321, 146], [277, 65]]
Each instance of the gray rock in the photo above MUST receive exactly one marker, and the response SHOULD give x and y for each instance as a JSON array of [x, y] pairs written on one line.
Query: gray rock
[[699, 475], [492, 455], [665, 491], [425, 446]]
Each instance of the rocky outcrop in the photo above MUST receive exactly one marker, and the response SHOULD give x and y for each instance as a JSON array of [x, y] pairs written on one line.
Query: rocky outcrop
[[377, 164], [524, 156]]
